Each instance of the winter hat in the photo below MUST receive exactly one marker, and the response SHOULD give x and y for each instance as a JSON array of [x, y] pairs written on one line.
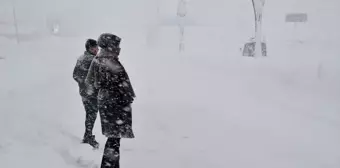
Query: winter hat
[[109, 41]]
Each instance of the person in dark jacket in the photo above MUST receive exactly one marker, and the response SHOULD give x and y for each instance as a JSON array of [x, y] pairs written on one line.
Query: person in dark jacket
[[90, 101], [115, 97]]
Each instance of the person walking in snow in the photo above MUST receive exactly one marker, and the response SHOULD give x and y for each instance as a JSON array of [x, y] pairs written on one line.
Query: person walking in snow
[[89, 101], [115, 97]]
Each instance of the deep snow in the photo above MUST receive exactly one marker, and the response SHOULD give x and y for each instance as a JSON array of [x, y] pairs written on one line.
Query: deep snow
[[205, 107]]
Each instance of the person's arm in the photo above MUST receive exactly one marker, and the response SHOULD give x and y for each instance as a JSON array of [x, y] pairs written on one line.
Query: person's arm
[[77, 72], [90, 80]]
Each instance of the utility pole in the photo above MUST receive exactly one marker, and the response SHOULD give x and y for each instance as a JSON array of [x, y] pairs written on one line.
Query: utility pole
[[258, 10], [181, 13], [15, 22]]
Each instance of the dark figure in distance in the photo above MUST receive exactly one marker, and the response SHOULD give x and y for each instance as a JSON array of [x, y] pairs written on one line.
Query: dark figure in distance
[[115, 97], [90, 101]]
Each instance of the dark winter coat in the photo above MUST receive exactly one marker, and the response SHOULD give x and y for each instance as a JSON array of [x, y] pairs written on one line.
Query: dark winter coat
[[80, 72], [115, 94]]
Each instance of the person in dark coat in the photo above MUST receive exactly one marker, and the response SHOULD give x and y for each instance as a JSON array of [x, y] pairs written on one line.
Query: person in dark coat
[[115, 97], [89, 101]]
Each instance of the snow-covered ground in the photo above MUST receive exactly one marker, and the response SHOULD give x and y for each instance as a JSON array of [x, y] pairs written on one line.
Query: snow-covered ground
[[204, 107]]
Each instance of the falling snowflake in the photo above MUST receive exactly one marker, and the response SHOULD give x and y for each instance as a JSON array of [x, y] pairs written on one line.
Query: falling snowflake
[[119, 122], [127, 108]]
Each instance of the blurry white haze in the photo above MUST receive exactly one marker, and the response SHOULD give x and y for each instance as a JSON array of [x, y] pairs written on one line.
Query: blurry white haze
[[205, 106]]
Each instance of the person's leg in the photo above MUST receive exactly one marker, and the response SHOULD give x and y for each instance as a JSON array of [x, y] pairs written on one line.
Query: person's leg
[[91, 108], [111, 155]]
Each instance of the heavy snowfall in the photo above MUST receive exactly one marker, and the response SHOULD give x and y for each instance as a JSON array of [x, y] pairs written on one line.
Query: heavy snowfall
[[200, 102]]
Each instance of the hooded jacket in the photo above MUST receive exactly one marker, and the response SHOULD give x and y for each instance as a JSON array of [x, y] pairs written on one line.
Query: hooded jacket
[[115, 95]]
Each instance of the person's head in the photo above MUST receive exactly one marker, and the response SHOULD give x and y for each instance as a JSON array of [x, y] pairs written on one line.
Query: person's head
[[91, 46], [110, 42]]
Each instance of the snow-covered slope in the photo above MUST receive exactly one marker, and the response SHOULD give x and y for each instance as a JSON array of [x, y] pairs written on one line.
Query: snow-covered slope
[[205, 107]]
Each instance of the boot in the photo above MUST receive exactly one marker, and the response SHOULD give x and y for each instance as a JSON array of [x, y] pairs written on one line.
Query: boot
[[90, 139]]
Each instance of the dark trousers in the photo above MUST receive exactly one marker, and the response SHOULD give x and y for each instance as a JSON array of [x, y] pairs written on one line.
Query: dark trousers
[[111, 154], [91, 108]]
